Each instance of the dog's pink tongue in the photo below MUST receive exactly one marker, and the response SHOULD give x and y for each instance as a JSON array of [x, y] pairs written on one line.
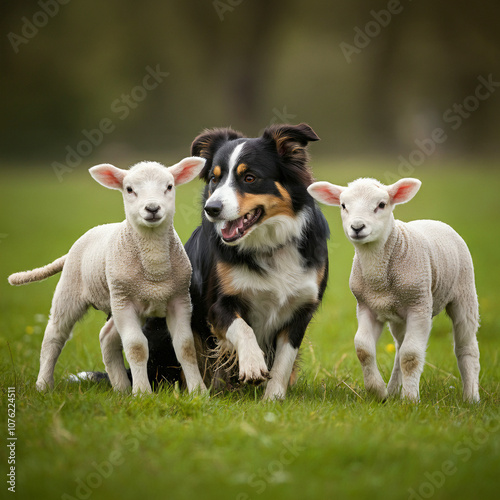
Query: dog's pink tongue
[[230, 230]]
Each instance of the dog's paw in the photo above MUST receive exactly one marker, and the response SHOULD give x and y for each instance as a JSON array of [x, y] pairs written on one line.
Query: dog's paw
[[274, 393], [253, 369]]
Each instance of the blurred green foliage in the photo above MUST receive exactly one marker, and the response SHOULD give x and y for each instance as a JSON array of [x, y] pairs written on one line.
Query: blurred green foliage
[[369, 76]]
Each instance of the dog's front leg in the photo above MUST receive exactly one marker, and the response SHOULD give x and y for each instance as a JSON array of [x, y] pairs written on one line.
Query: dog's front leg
[[287, 347], [253, 368], [281, 371], [226, 320]]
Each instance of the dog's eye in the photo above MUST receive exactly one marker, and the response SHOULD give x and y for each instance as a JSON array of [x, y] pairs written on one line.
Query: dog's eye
[[249, 178], [214, 180]]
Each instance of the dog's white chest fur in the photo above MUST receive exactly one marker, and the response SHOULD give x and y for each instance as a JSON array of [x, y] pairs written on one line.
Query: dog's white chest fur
[[274, 295]]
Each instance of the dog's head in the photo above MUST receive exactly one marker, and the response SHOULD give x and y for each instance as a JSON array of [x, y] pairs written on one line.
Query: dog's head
[[256, 189]]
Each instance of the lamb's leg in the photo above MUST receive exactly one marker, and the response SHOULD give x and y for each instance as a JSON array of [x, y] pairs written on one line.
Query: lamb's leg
[[65, 312], [465, 319], [134, 344], [179, 324], [111, 348], [54, 339], [398, 333], [412, 352], [282, 368], [365, 341]]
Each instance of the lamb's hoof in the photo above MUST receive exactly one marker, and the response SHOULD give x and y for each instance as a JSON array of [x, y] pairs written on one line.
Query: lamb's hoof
[[472, 399], [141, 391], [200, 389], [378, 393], [122, 388], [42, 386], [393, 393], [410, 398]]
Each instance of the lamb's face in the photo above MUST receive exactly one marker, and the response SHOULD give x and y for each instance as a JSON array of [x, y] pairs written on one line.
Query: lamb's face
[[366, 205], [148, 188], [366, 211], [149, 195]]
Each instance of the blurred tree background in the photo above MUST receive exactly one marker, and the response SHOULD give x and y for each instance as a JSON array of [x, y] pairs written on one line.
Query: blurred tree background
[[118, 78]]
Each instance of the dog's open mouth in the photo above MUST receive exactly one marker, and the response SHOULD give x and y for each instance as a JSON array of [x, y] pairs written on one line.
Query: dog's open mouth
[[236, 229]]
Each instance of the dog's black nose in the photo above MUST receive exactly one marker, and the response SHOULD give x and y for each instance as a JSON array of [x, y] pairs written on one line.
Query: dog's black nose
[[213, 208], [357, 230], [152, 208]]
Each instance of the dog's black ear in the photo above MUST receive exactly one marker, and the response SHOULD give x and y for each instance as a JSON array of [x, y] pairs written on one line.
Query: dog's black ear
[[290, 137], [207, 143], [291, 144]]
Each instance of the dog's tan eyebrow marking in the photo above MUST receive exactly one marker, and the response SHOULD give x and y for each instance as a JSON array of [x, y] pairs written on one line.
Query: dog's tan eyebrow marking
[[242, 168], [217, 171]]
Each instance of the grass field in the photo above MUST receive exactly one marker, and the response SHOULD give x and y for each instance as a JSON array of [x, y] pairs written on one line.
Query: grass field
[[327, 440]]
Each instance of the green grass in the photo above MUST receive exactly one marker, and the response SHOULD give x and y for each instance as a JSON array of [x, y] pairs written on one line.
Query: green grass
[[327, 440]]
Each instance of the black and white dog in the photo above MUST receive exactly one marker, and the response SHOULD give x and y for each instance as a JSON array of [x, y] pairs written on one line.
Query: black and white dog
[[259, 258]]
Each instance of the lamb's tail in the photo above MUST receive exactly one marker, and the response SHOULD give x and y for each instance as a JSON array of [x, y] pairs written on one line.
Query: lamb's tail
[[38, 274]]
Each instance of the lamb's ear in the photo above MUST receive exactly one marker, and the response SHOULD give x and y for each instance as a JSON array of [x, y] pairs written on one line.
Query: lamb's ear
[[326, 193], [108, 175], [207, 143], [187, 169], [403, 190]]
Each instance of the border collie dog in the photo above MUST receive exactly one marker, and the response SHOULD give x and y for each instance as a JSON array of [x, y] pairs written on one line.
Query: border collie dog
[[259, 258]]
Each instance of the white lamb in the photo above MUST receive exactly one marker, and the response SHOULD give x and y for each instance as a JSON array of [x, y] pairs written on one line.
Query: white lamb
[[405, 273], [133, 269]]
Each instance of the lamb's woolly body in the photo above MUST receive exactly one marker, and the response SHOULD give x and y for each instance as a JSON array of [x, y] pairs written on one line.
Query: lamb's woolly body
[[405, 273], [134, 269], [421, 259], [137, 267]]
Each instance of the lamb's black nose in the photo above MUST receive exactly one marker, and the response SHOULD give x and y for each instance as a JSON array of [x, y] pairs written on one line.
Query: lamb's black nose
[[358, 229], [152, 208], [213, 208]]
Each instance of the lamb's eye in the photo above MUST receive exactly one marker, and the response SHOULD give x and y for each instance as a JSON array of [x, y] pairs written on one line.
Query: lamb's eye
[[249, 178], [129, 189], [343, 206], [381, 205], [169, 188]]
